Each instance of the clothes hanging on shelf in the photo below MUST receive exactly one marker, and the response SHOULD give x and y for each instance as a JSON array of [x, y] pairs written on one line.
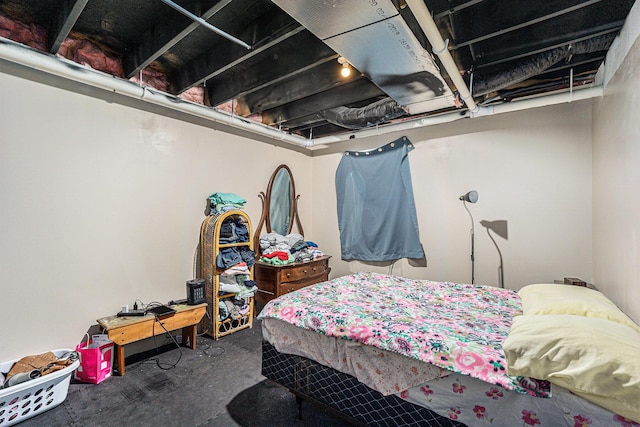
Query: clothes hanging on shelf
[[227, 260]]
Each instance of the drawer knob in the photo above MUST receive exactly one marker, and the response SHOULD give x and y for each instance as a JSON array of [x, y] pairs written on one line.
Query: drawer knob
[[288, 275], [304, 271]]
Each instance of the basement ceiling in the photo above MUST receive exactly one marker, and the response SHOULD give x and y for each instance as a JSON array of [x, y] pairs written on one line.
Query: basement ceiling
[[278, 62]]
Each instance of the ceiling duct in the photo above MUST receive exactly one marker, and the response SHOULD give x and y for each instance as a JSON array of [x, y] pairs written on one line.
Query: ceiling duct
[[356, 118], [539, 63], [376, 40]]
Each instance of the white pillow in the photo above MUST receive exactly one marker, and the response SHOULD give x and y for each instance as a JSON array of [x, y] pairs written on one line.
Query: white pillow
[[547, 298], [595, 358]]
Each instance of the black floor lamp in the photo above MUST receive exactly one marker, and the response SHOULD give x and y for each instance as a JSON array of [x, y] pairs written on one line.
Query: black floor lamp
[[471, 197], [500, 228]]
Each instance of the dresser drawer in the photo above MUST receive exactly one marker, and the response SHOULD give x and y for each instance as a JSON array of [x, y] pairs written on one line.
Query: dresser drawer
[[287, 287], [304, 271], [275, 280]]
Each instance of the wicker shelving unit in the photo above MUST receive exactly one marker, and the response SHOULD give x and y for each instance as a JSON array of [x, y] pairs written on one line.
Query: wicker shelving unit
[[210, 247]]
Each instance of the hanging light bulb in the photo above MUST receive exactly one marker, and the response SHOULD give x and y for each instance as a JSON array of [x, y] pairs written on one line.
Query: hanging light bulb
[[346, 69]]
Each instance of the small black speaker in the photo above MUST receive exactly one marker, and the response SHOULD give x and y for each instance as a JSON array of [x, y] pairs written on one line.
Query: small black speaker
[[195, 291]]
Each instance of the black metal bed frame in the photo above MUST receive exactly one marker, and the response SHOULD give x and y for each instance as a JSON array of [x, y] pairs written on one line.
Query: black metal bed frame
[[343, 394]]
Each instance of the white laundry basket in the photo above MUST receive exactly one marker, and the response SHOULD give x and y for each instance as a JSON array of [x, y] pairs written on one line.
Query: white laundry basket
[[30, 398]]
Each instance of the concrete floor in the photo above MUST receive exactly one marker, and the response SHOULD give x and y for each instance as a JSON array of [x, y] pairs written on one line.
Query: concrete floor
[[218, 384]]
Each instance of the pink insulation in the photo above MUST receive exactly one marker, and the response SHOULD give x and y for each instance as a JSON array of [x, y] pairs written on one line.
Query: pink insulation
[[85, 52], [226, 107], [158, 80], [152, 78], [28, 34], [235, 107], [195, 94]]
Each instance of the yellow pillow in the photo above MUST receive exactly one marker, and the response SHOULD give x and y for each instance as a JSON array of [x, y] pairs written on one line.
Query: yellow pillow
[[547, 298], [595, 358]]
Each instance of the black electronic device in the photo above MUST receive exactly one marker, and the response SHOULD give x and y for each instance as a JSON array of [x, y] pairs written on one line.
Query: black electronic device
[[161, 310], [131, 313], [195, 291]]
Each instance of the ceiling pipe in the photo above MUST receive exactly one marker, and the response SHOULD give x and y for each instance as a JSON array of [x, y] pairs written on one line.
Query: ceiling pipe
[[402, 126], [61, 67], [52, 65], [204, 23], [507, 107], [544, 100], [439, 47]]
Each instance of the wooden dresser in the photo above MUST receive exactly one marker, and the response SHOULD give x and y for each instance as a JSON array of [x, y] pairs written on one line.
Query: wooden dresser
[[276, 280]]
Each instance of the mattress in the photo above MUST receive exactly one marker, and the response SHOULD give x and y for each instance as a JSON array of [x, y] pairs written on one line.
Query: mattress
[[344, 393], [451, 359], [452, 395]]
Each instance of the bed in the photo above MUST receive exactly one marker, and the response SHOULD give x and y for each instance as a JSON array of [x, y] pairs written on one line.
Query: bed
[[388, 350]]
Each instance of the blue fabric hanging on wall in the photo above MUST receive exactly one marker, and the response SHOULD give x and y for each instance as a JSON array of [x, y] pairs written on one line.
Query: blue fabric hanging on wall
[[376, 211]]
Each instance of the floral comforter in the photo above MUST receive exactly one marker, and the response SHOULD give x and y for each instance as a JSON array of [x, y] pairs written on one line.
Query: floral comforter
[[458, 327], [476, 403]]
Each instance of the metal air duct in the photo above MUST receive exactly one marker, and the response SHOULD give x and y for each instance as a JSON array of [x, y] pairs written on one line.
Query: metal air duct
[[376, 40]]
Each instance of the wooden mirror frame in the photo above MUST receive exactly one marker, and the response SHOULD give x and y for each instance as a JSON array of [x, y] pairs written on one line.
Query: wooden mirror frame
[[265, 218]]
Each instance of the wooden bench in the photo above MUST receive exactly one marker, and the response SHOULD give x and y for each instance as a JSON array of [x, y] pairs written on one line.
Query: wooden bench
[[128, 329]]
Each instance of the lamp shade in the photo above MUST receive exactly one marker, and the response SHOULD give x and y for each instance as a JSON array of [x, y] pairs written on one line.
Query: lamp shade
[[471, 196]]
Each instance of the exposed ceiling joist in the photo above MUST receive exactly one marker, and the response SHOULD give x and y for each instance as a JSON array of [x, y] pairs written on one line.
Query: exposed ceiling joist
[[161, 37], [63, 22], [356, 91], [267, 66], [289, 78], [499, 25]]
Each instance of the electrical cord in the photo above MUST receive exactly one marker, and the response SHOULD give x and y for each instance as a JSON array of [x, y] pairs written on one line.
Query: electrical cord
[[206, 312], [166, 367], [136, 306], [146, 308], [195, 260], [152, 304], [219, 350]]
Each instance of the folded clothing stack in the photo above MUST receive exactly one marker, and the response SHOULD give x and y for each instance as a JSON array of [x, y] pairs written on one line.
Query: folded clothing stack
[[277, 249], [233, 308], [223, 202]]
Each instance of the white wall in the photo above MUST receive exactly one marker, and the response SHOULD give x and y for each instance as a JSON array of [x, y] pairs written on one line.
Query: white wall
[[531, 168], [102, 205], [616, 174]]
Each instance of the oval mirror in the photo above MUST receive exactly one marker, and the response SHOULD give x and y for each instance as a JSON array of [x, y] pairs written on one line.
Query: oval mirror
[[279, 205], [280, 199]]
